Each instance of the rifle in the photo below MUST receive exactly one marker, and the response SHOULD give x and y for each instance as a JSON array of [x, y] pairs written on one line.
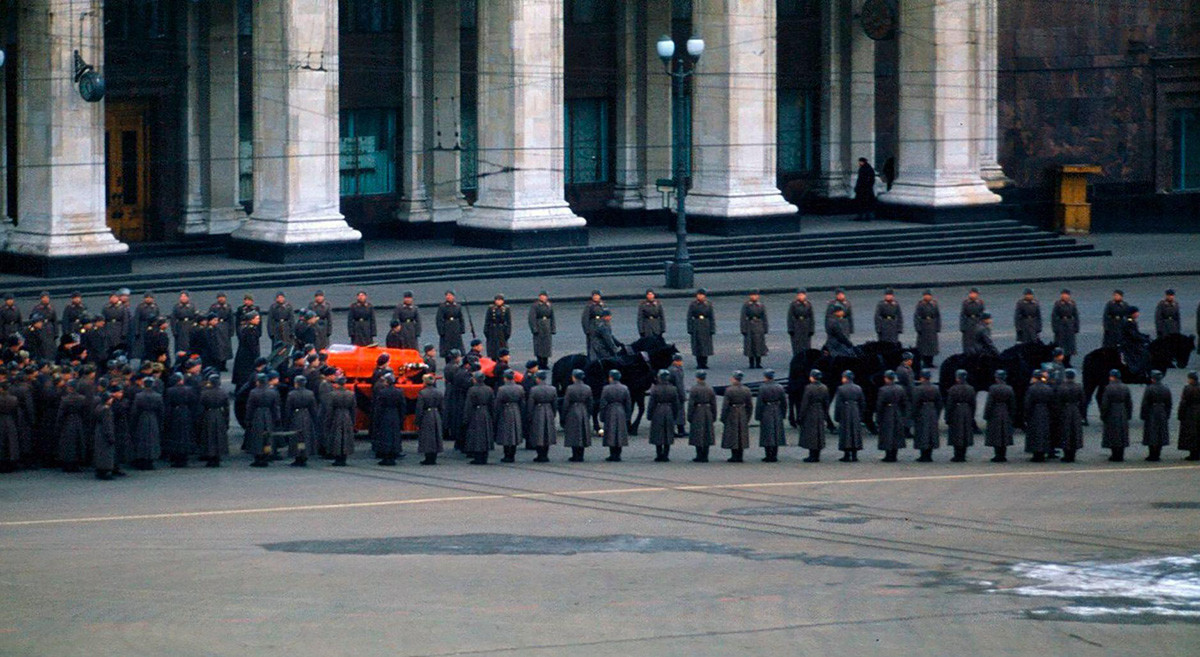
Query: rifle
[[470, 322]]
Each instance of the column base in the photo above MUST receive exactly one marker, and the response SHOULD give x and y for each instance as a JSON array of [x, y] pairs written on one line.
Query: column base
[[296, 253], [946, 214], [518, 240], [755, 212], [742, 226], [223, 221], [994, 177], [65, 266]]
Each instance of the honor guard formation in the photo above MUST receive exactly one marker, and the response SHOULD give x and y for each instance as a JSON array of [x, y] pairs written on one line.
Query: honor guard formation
[[137, 384]]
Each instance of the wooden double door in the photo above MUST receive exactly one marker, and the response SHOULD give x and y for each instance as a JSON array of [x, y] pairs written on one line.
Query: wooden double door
[[127, 170]]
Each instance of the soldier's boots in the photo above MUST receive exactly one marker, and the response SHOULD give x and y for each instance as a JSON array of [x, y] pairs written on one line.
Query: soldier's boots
[[1068, 456], [926, 456], [701, 455], [814, 456], [889, 456], [960, 455], [1193, 455], [1038, 457], [1155, 454], [339, 461], [510, 454], [846, 458], [614, 455], [1118, 455], [430, 459], [736, 457], [104, 475], [1001, 455], [576, 455], [543, 455]]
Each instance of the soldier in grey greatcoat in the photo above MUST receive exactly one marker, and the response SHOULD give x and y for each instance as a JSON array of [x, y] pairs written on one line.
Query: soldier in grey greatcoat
[[181, 416], [591, 317], [889, 318], [339, 438], [1064, 320], [1027, 318], [479, 436], [926, 413], [70, 423], [301, 415], [664, 409], [324, 313], [735, 418], [10, 428], [510, 425], [183, 322], [456, 404], [409, 317], [849, 405], [1156, 416], [1068, 398], [104, 437], [50, 325], [837, 335], [771, 412], [1115, 312], [497, 326], [72, 313], [146, 421], [262, 417], [146, 314], [677, 380], [1166, 316], [602, 344], [214, 422], [222, 330], [281, 320], [999, 411], [814, 415], [839, 299], [891, 409], [428, 417], [360, 321], [10, 317], [970, 317], [979, 343], [800, 324], [543, 327], [701, 326], [754, 327], [614, 408], [1189, 418], [450, 326], [576, 416], [1039, 404], [960, 416], [702, 416], [541, 404], [651, 321], [1116, 409]]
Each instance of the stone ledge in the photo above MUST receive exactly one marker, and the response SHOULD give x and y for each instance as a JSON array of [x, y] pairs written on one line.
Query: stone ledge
[[518, 240], [65, 266], [284, 254], [742, 226], [941, 215]]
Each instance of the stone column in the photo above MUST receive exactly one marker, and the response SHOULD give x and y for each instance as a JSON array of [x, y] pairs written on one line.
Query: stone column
[[521, 201], [733, 177], [225, 211], [443, 115], [5, 220], [195, 121], [862, 97], [631, 58], [61, 194], [413, 207], [834, 182], [988, 61], [296, 188], [654, 109], [938, 161]]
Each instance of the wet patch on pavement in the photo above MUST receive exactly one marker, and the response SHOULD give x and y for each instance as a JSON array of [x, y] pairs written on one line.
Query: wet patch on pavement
[[1146, 591], [519, 545], [847, 520], [801, 510]]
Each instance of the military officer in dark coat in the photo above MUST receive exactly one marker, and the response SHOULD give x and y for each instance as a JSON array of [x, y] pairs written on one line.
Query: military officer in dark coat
[[980, 341], [1115, 312], [926, 413], [800, 324], [701, 326], [591, 317], [409, 316], [927, 320], [156, 345], [40, 343], [450, 326], [509, 412], [702, 415], [1189, 418], [1156, 416], [576, 416], [104, 436], [183, 323], [248, 349], [11, 321], [541, 405], [735, 418], [839, 299], [1069, 400], [999, 411], [281, 320], [676, 371], [614, 408], [837, 334], [849, 405], [814, 415], [428, 417], [1116, 409], [650, 318], [754, 327], [73, 312], [360, 321], [603, 344], [960, 416], [889, 318], [181, 418], [864, 190], [663, 409], [1039, 404], [214, 422], [144, 316], [1064, 320], [324, 314], [891, 410], [543, 327], [222, 331], [497, 326], [1166, 316], [1027, 318], [479, 426], [46, 309], [970, 317], [393, 340]]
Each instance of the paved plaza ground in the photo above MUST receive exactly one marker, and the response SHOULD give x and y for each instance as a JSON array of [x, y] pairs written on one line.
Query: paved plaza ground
[[636, 558]]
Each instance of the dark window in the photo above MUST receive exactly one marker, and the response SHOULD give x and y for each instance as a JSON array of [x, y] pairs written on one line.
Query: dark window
[[588, 12], [140, 20], [1187, 149], [368, 15], [368, 152], [589, 147], [468, 35], [796, 142]]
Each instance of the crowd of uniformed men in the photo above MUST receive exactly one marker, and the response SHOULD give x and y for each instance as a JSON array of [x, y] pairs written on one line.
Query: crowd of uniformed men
[[133, 385]]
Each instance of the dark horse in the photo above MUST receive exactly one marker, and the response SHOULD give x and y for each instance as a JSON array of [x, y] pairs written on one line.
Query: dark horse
[[1166, 352], [873, 360], [1018, 361], [638, 363]]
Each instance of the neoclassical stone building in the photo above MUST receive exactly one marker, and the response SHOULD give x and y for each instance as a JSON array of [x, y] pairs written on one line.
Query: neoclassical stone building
[[294, 128]]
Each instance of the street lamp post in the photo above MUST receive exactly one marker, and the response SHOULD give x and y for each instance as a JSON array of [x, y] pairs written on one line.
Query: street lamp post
[[680, 273]]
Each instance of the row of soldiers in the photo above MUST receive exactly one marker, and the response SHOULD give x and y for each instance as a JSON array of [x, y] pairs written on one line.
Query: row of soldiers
[[140, 331]]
